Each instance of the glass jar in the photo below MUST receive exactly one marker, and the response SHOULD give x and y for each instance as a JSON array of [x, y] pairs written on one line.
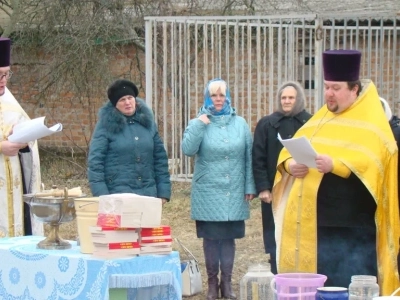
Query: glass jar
[[256, 283], [363, 287]]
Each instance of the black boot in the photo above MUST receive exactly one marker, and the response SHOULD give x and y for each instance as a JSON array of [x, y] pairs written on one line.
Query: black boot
[[227, 257], [211, 255]]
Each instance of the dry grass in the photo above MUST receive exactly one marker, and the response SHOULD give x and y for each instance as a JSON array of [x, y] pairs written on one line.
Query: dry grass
[[249, 250]]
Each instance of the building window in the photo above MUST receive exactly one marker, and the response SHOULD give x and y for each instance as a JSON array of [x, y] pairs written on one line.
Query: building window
[[309, 84], [306, 73]]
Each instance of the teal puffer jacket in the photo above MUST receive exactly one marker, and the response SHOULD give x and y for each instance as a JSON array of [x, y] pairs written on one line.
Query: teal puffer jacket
[[126, 154], [223, 170]]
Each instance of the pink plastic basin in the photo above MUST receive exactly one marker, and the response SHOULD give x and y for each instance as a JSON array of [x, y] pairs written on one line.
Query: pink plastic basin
[[293, 286]]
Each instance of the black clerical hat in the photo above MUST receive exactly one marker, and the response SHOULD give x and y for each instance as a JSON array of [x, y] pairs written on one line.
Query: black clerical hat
[[341, 65], [5, 51]]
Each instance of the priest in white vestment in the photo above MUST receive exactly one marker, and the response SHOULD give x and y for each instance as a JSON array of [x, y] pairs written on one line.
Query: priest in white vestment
[[19, 163]]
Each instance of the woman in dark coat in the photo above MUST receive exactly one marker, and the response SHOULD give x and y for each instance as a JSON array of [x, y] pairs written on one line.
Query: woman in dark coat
[[126, 153], [288, 118]]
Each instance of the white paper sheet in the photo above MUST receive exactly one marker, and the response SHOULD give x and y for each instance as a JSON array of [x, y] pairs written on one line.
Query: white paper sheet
[[32, 130], [301, 150]]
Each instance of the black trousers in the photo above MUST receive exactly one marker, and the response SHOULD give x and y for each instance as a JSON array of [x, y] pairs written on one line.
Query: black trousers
[[269, 234], [346, 251], [27, 220]]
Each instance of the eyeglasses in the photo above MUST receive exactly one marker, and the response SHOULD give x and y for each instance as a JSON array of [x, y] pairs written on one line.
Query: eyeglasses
[[6, 75]]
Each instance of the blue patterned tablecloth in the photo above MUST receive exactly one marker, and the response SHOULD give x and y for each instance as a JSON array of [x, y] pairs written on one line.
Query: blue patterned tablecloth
[[27, 273]]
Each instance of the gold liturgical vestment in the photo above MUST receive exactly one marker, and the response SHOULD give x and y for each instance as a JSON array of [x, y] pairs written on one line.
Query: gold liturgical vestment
[[359, 139], [11, 188]]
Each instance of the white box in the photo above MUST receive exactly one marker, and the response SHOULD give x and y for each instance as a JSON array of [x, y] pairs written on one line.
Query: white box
[[133, 211]]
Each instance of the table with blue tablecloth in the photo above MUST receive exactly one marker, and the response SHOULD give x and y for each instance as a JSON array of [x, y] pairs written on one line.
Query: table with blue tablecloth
[[30, 273]]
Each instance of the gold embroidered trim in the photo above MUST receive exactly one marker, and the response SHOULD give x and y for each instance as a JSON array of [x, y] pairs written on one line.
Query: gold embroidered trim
[[10, 197]]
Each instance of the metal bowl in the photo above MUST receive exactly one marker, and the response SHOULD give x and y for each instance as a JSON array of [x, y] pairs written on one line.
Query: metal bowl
[[53, 211]]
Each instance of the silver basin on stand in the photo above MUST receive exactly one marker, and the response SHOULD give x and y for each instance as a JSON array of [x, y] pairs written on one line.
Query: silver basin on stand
[[53, 211]]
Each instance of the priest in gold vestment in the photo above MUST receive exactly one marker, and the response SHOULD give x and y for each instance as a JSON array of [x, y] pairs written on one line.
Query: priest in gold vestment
[[340, 217], [19, 163]]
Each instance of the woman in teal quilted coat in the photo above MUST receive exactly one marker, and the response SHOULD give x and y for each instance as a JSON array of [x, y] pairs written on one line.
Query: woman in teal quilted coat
[[126, 153], [222, 184]]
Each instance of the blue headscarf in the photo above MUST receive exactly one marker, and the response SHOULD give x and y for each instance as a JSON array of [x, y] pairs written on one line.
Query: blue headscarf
[[208, 104]]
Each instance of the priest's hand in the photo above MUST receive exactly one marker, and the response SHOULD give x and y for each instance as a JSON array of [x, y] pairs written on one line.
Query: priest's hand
[[10, 148], [265, 196], [324, 163], [164, 201], [297, 170]]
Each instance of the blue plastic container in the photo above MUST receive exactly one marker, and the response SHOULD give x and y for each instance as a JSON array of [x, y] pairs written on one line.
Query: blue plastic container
[[332, 293]]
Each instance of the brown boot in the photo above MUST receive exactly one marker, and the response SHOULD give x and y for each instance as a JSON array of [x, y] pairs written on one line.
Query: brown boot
[[211, 255], [227, 257], [226, 290], [213, 290]]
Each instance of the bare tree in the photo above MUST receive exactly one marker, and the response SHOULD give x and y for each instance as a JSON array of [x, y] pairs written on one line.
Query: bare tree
[[69, 45]]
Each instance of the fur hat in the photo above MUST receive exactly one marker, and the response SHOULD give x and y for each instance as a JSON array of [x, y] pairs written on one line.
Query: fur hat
[[341, 65], [5, 51], [121, 88]]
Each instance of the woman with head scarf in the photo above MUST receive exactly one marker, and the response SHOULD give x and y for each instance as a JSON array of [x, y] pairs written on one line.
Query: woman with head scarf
[[288, 118], [222, 184], [126, 154]]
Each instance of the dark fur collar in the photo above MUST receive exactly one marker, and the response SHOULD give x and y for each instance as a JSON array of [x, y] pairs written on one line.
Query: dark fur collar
[[112, 119]]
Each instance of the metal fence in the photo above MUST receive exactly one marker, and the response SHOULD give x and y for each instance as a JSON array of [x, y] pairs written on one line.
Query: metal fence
[[255, 55]]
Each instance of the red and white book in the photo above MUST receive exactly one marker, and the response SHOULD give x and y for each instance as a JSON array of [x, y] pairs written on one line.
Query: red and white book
[[117, 246], [155, 250], [155, 238], [156, 242], [124, 245], [108, 228], [113, 234], [163, 230], [113, 250]]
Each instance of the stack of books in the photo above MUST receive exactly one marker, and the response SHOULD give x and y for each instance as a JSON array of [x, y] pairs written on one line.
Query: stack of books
[[155, 240], [114, 242]]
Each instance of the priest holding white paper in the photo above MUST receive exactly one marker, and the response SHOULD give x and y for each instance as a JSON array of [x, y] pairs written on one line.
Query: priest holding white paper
[[301, 150], [19, 162], [348, 204], [31, 130]]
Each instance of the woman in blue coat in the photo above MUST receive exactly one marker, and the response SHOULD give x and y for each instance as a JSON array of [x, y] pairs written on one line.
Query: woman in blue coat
[[126, 153], [222, 184]]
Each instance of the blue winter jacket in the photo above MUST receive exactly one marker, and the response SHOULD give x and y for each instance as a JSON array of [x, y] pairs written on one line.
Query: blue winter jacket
[[126, 154], [223, 169]]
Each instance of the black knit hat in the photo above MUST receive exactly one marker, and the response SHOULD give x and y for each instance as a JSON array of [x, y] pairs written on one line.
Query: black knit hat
[[121, 88], [5, 51]]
